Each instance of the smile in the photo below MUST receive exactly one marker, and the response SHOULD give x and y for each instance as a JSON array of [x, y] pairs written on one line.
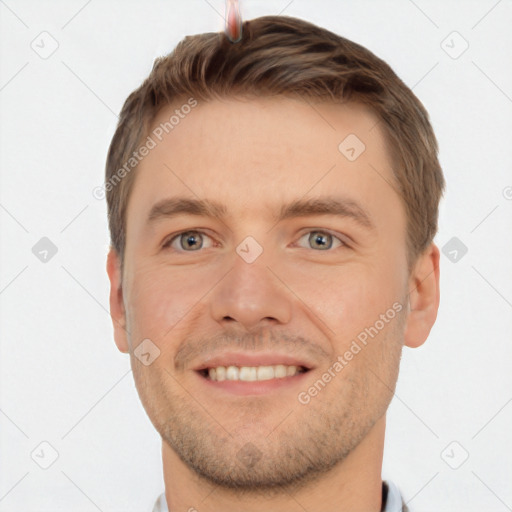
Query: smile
[[251, 373]]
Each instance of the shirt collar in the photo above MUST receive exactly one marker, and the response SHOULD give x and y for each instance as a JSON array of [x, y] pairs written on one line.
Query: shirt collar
[[391, 499]]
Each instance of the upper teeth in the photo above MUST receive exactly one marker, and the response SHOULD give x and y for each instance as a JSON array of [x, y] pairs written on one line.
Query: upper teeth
[[251, 373]]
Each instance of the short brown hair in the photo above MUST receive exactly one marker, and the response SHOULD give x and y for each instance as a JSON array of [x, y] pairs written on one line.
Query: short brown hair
[[281, 55]]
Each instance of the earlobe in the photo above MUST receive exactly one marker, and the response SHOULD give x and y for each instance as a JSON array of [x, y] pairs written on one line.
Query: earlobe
[[117, 309], [423, 297]]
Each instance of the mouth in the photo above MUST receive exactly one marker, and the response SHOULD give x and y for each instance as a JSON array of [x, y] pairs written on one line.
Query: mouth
[[251, 373]]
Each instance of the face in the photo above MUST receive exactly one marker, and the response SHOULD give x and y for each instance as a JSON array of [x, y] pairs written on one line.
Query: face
[[300, 261]]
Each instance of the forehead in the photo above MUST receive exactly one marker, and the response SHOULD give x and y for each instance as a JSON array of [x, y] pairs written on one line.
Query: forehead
[[256, 154]]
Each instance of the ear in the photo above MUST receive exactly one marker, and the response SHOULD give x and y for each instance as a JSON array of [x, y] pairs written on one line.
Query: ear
[[423, 297], [117, 310]]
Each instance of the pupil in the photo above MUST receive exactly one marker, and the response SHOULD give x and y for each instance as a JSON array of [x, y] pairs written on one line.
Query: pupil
[[191, 240], [320, 240]]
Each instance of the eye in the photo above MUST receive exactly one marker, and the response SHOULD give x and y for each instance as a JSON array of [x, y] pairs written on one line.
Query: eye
[[186, 240], [194, 240], [322, 240]]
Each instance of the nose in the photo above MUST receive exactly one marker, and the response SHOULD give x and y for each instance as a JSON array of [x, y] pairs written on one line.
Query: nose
[[251, 295]]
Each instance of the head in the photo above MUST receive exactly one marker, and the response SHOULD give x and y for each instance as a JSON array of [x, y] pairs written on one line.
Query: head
[[304, 186]]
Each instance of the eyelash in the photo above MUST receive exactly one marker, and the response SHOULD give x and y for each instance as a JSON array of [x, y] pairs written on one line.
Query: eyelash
[[169, 241]]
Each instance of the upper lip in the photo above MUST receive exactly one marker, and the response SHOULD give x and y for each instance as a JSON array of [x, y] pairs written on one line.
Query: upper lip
[[252, 359]]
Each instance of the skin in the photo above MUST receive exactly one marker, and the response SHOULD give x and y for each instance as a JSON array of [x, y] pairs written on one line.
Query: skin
[[253, 156]]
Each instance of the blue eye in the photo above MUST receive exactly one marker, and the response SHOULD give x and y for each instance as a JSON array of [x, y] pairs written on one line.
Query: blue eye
[[322, 240], [187, 240], [195, 240]]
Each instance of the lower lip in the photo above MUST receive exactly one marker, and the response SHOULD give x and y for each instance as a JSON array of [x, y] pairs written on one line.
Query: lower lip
[[257, 387]]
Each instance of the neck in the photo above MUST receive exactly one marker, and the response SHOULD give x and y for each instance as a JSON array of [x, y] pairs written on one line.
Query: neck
[[353, 485]]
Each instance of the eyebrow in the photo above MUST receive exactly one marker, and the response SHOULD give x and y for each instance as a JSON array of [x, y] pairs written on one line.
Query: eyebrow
[[337, 206]]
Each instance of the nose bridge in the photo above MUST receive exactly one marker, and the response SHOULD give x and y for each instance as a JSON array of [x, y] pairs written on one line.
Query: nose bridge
[[250, 293]]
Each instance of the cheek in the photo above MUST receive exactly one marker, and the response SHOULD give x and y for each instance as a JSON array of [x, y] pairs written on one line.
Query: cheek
[[373, 298], [158, 299], [354, 297]]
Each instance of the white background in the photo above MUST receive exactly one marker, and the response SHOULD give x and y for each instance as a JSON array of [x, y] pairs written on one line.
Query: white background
[[62, 378]]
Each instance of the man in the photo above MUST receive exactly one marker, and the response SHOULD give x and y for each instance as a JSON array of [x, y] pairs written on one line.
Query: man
[[272, 205]]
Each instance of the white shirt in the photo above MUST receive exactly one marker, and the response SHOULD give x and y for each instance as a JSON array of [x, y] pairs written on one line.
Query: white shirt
[[390, 493]]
